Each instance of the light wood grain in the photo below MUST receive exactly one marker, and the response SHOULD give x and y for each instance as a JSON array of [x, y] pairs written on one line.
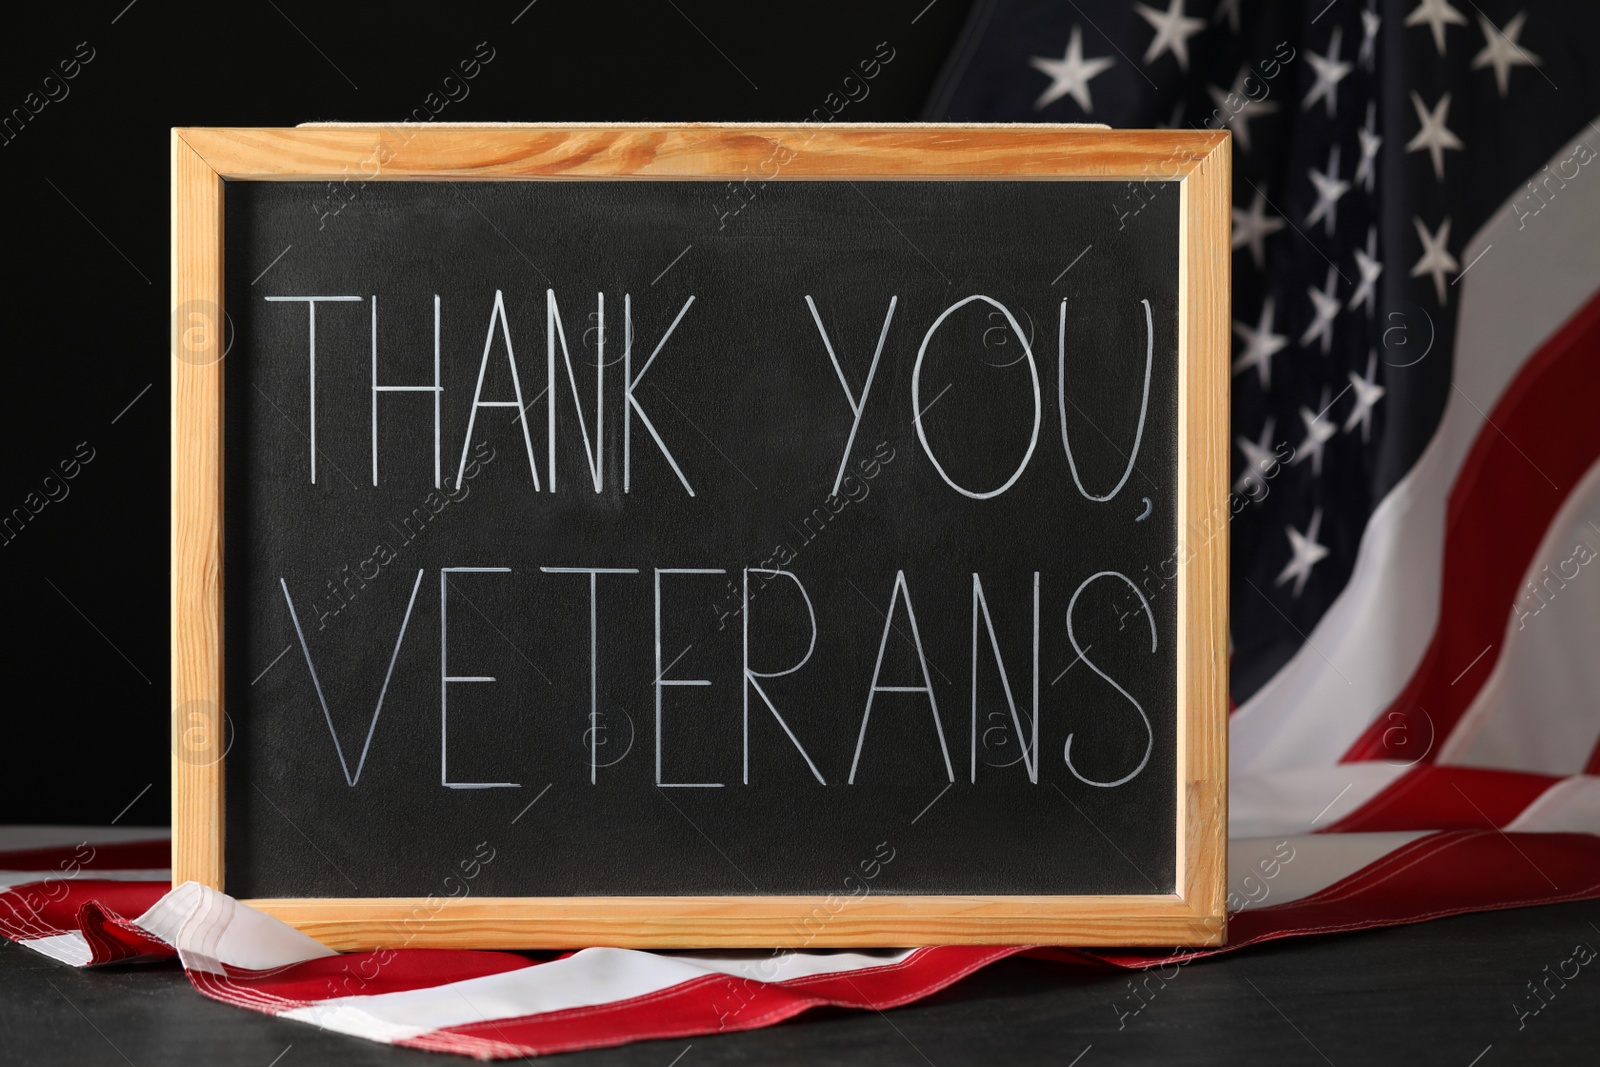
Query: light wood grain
[[197, 698], [756, 152], [1199, 161], [731, 922], [1204, 518]]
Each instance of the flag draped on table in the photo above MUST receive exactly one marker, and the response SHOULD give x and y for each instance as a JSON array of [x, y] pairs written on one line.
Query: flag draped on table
[[89, 897], [1415, 601]]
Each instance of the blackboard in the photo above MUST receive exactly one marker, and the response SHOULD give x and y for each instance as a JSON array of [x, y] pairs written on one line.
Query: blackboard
[[663, 537]]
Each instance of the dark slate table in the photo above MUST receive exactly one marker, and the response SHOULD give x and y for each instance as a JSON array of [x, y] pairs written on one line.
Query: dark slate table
[[1437, 993]]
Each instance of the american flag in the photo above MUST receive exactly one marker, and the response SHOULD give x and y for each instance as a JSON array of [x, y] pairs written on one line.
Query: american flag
[[1415, 604], [1415, 608]]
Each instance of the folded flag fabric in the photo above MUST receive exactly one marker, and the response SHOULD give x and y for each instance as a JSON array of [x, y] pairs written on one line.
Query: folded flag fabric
[[90, 901], [1415, 604]]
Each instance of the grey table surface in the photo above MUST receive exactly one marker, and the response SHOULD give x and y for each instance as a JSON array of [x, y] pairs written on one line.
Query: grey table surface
[[1445, 992]]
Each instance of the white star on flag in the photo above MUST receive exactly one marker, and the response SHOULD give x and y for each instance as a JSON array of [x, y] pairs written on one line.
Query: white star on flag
[[1370, 22], [1173, 30], [1330, 72], [1436, 13], [1253, 227], [1501, 51], [1317, 434], [1329, 189], [1307, 553], [1258, 458], [1260, 344], [1436, 257], [1367, 169], [1327, 307], [1367, 263], [1368, 393], [1237, 121], [1230, 8], [1435, 136], [1069, 75]]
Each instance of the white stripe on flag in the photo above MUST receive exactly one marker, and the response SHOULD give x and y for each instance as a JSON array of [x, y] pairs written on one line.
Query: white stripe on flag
[[1316, 862], [69, 948], [1370, 641], [210, 929], [1297, 802], [790, 966]]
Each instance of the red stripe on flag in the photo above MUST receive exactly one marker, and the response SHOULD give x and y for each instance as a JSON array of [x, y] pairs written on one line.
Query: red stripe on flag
[[120, 855], [1431, 797], [42, 909], [1542, 431], [113, 939], [1443, 874]]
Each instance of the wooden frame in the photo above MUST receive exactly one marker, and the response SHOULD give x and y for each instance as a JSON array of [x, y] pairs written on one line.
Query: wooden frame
[[1198, 161]]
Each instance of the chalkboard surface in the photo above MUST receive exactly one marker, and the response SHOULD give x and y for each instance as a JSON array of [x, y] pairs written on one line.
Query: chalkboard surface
[[413, 663], [693, 573]]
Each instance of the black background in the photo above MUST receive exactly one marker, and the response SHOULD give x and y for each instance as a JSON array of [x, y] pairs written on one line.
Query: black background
[[745, 398], [87, 310]]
